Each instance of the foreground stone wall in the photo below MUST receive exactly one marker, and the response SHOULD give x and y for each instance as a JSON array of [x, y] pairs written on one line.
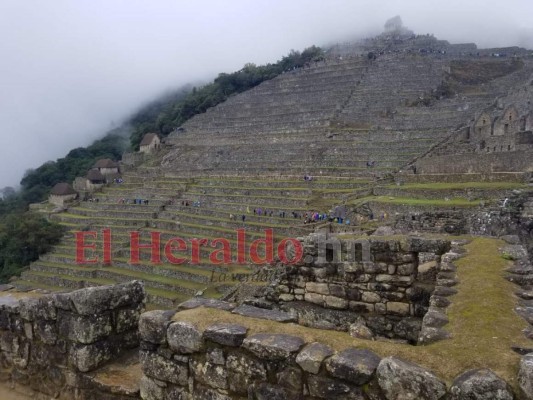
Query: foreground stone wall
[[48, 343], [385, 282], [224, 361]]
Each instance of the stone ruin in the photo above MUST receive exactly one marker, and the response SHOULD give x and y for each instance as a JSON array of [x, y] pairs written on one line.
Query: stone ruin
[[380, 287], [57, 344]]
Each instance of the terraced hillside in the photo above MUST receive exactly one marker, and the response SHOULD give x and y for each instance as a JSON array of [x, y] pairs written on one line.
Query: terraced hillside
[[201, 208], [337, 116]]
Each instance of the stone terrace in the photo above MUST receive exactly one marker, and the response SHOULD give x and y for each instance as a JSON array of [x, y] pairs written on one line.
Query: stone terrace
[[168, 284], [331, 119]]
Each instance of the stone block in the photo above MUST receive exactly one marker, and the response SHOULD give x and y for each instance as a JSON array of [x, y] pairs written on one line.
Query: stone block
[[353, 365], [311, 356], [226, 334], [243, 371], [320, 288], [479, 384], [337, 290], [127, 319], [336, 302], [314, 298], [525, 376], [405, 269], [153, 325], [183, 337], [85, 329], [397, 308], [322, 387], [399, 379], [158, 367], [273, 347], [210, 374], [370, 297], [98, 299]]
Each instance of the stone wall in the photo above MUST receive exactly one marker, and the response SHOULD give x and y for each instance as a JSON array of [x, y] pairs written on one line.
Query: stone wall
[[49, 343], [516, 161], [384, 284], [223, 362]]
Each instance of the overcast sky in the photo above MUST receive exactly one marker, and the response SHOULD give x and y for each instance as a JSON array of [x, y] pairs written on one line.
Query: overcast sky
[[69, 69]]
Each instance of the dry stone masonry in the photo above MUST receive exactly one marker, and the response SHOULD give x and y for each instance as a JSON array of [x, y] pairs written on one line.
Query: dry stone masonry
[[224, 361], [49, 343], [373, 287]]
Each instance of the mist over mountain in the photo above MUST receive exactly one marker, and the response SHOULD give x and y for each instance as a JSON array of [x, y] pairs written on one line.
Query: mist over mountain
[[71, 71]]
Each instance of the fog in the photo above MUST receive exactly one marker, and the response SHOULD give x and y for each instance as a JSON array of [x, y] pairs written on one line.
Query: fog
[[70, 70]]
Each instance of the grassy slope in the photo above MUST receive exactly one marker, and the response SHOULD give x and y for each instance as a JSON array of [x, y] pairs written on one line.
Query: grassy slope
[[482, 322]]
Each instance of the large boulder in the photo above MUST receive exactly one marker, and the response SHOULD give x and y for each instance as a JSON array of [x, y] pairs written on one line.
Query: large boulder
[[399, 379], [480, 384], [525, 376]]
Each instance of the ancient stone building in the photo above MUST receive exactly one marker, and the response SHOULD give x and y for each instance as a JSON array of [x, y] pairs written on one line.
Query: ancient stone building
[[61, 194], [95, 179], [150, 143], [106, 167]]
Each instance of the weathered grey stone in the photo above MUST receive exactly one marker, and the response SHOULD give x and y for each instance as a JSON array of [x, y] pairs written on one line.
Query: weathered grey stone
[[444, 291], [85, 328], [216, 356], [150, 390], [184, 337], [153, 325], [97, 299], [87, 357], [46, 331], [243, 370], [397, 308], [336, 302], [320, 288], [409, 329], [127, 319], [206, 302], [360, 331], [399, 379], [286, 297], [326, 388], [435, 319], [354, 365], [405, 269], [370, 297], [479, 384], [314, 298], [430, 335], [203, 393], [525, 376], [439, 301], [158, 367], [226, 334], [255, 312], [312, 355], [422, 245], [273, 346], [213, 375], [427, 272], [267, 391], [511, 239]]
